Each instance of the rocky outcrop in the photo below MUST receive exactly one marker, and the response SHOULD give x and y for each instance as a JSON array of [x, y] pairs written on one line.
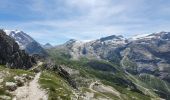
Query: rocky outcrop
[[11, 55], [63, 73], [11, 86], [151, 54]]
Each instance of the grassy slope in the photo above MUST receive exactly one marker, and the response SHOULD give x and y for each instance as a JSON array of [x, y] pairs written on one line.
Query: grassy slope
[[107, 78], [161, 87], [154, 84], [57, 87]]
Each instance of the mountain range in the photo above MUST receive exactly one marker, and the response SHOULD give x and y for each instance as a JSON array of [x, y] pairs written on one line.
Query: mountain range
[[109, 68], [139, 56]]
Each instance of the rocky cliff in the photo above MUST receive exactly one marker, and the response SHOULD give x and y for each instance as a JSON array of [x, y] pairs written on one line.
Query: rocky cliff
[[150, 54]]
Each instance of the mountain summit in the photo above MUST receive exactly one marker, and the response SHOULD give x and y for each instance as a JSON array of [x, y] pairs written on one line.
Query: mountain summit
[[26, 42], [47, 46]]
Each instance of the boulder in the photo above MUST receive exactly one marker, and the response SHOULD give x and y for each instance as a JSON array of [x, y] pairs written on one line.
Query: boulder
[[27, 77], [11, 86], [20, 80]]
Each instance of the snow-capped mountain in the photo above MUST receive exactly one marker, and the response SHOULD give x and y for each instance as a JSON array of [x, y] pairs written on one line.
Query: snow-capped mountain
[[26, 42], [20, 37], [139, 36], [160, 35], [100, 48], [147, 53]]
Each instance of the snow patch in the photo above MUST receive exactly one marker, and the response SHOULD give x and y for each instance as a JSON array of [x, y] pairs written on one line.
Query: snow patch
[[139, 36], [20, 37]]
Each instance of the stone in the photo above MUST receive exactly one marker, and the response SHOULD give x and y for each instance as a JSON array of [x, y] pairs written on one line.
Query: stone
[[20, 80], [11, 86]]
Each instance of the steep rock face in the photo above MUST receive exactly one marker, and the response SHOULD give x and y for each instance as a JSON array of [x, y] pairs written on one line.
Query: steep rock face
[[26, 43], [105, 48], [11, 55], [151, 54]]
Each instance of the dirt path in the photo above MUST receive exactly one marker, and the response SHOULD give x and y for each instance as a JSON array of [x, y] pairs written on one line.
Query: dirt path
[[38, 64], [102, 88], [91, 86], [31, 91]]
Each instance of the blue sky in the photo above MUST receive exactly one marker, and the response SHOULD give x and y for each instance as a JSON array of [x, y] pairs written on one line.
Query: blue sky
[[56, 21]]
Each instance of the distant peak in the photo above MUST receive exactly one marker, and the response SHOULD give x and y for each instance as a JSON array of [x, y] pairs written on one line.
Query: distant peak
[[47, 46], [72, 40]]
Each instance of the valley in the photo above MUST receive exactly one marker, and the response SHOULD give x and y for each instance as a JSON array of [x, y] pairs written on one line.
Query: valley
[[109, 68]]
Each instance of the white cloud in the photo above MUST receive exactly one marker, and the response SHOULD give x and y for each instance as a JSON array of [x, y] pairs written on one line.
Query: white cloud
[[89, 19]]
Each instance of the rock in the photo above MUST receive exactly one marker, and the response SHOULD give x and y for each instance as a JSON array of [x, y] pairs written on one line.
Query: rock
[[27, 77], [24, 75], [11, 86], [36, 70], [20, 80], [30, 77], [63, 73], [70, 70]]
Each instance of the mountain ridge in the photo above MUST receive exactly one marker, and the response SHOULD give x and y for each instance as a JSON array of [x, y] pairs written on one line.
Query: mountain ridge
[[111, 68], [151, 49], [26, 42]]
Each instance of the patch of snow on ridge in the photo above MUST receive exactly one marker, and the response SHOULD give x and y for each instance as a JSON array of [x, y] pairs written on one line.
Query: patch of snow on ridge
[[140, 36], [20, 37], [7, 32], [12, 32]]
